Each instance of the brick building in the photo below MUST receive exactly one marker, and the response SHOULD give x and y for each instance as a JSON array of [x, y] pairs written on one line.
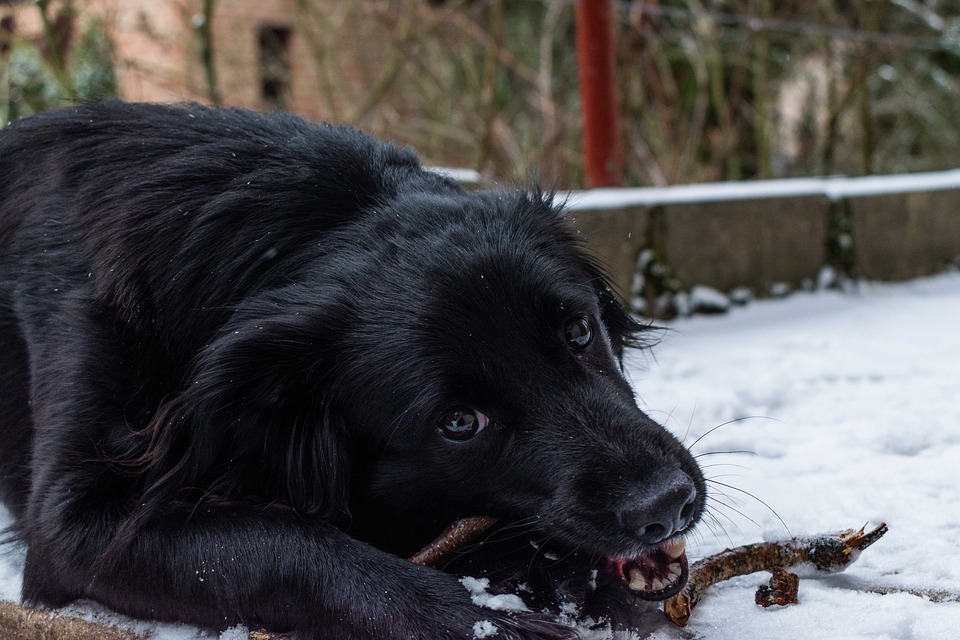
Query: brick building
[[266, 54]]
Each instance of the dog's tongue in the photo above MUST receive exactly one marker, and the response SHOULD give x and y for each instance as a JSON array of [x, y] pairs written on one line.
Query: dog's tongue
[[658, 574]]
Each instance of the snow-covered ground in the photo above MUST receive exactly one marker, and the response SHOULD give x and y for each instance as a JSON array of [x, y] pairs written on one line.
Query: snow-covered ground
[[850, 405], [856, 398]]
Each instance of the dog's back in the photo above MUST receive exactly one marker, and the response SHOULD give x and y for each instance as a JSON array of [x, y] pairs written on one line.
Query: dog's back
[[163, 186], [135, 197]]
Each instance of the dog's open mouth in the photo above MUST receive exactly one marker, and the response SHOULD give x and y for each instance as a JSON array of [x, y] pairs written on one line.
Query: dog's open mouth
[[658, 574]]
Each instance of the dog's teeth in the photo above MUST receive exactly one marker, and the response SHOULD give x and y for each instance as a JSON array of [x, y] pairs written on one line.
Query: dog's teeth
[[658, 584], [674, 548], [637, 581], [675, 570]]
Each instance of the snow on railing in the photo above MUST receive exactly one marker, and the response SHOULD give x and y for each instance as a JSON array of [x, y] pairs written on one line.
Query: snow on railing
[[466, 176], [833, 188]]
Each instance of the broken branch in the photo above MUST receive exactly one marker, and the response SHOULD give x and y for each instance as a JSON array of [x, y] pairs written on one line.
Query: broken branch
[[460, 533], [827, 552], [782, 590]]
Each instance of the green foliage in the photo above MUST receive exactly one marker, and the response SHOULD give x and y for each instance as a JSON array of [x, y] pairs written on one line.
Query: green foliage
[[93, 73], [773, 88], [32, 89], [33, 83]]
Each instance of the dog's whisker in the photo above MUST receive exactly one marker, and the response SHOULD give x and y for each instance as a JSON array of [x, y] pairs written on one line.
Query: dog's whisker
[[728, 423], [735, 510], [524, 524], [669, 417], [422, 396], [569, 553], [747, 493], [727, 497], [693, 413], [730, 452], [540, 548], [714, 519], [719, 513], [516, 530], [697, 534], [718, 465], [724, 475], [505, 536]]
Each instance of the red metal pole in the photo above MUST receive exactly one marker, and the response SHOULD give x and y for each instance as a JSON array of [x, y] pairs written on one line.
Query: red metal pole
[[603, 150]]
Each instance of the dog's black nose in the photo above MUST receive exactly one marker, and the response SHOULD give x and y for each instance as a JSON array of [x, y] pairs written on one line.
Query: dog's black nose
[[661, 508]]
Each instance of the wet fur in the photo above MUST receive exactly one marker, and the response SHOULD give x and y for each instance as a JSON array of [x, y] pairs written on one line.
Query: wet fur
[[227, 341]]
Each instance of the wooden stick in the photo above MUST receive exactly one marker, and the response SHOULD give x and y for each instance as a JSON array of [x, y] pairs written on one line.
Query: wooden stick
[[827, 552], [459, 534]]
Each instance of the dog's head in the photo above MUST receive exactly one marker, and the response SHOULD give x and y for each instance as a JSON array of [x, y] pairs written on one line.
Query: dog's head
[[486, 378], [447, 355]]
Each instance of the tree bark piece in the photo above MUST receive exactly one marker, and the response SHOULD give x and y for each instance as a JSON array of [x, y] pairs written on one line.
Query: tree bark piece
[[827, 552], [460, 533], [782, 590]]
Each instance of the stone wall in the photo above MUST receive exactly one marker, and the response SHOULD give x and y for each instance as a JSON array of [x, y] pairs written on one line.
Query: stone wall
[[905, 235], [760, 235]]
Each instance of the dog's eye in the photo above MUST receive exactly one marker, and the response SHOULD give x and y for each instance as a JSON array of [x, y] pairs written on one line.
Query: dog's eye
[[463, 423], [578, 333]]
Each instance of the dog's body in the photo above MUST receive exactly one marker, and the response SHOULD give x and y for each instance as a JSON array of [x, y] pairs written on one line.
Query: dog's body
[[247, 364]]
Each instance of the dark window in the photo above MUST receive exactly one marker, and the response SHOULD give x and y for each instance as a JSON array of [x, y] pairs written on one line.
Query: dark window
[[7, 28], [275, 65]]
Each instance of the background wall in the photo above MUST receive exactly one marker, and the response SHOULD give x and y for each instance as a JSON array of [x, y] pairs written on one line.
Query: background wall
[[771, 236]]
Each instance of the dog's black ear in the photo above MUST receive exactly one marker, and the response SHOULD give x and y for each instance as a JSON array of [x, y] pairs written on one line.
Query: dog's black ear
[[252, 420], [625, 330]]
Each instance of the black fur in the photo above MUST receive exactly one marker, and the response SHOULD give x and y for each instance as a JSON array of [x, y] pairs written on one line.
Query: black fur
[[227, 343]]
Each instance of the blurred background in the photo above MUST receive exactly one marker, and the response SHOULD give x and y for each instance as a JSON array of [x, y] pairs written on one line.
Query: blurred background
[[763, 147], [707, 91], [647, 94]]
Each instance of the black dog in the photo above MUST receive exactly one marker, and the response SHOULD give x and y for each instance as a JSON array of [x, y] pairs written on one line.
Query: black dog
[[248, 364]]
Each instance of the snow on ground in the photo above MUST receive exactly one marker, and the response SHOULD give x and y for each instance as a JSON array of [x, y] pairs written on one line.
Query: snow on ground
[[857, 420], [850, 405]]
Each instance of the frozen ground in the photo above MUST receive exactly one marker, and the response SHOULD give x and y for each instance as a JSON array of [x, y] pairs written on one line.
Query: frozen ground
[[857, 398], [850, 404]]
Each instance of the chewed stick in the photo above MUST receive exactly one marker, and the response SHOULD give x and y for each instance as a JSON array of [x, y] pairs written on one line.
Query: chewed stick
[[457, 535], [827, 552]]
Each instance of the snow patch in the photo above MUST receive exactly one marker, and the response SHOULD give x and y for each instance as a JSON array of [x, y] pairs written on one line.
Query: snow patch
[[484, 629], [235, 633], [706, 299], [500, 602]]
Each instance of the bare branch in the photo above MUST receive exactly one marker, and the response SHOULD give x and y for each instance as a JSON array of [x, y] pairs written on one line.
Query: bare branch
[[827, 552]]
